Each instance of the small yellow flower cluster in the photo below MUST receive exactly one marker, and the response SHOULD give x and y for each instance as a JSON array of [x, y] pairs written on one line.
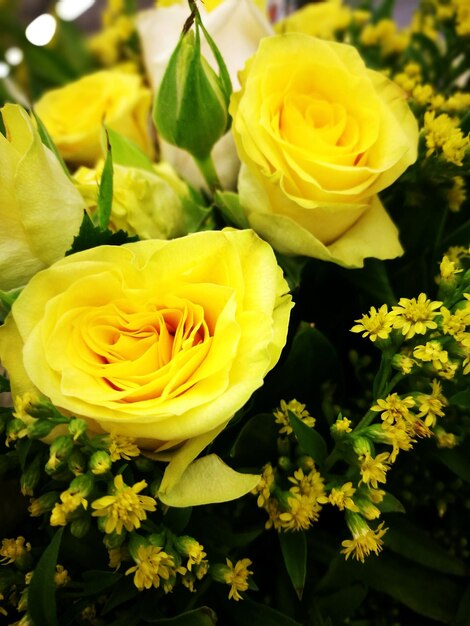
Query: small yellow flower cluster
[[281, 416], [161, 560], [2, 610], [342, 497], [124, 508], [296, 507], [457, 194], [61, 576], [385, 33], [442, 134], [237, 577], [409, 78], [121, 447], [364, 539], [377, 324], [411, 316], [13, 550], [106, 45], [69, 503], [152, 566], [396, 414], [462, 8]]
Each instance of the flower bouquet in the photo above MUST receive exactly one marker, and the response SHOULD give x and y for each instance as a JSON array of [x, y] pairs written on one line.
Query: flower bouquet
[[235, 299]]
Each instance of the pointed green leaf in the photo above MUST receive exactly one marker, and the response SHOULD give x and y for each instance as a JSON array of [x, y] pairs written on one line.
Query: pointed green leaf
[[457, 460], [126, 152], [249, 612], [90, 236], [41, 592], [390, 504], [463, 612], [462, 398], [294, 552], [224, 75], [407, 539], [256, 440], [105, 192], [203, 616], [424, 591], [308, 438], [341, 604]]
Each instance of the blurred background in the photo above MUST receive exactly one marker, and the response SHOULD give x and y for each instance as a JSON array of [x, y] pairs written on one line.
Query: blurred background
[[46, 43]]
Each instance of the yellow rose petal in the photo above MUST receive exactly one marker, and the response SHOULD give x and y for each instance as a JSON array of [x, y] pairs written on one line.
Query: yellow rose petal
[[208, 480]]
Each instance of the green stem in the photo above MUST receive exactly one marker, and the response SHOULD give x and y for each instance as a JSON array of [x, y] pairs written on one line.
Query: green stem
[[383, 374], [208, 170], [331, 459], [366, 420]]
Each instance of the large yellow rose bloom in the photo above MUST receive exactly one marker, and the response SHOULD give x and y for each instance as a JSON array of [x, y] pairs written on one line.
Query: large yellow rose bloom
[[319, 135], [158, 340], [75, 113], [40, 209]]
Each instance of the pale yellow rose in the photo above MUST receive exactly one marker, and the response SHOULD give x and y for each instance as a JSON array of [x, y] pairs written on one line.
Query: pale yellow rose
[[236, 27], [320, 135], [149, 205], [158, 340], [40, 209], [320, 19], [75, 113]]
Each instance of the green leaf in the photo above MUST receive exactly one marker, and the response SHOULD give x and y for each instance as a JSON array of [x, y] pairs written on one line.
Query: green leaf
[[457, 460], [390, 504], [311, 362], [203, 616], [463, 612], [105, 191], [126, 152], [373, 280], [49, 143], [422, 590], [407, 539], [462, 398], [249, 612], [195, 212], [91, 236], [308, 438], [123, 591], [7, 298], [224, 75], [41, 591], [178, 519], [340, 605], [228, 204], [294, 552], [292, 266], [97, 581], [256, 440]]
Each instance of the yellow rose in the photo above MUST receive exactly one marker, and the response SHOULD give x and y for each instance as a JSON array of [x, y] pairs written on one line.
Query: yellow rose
[[40, 210], [74, 114], [236, 27], [321, 19], [158, 340], [319, 135], [144, 204]]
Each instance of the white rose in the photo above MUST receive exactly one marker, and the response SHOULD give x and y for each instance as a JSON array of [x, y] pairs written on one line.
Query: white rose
[[236, 27]]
